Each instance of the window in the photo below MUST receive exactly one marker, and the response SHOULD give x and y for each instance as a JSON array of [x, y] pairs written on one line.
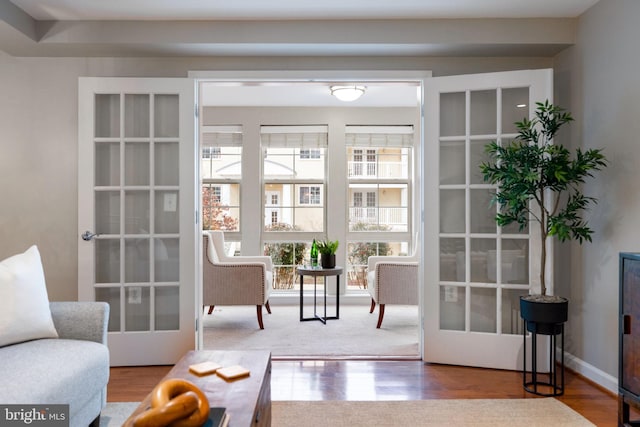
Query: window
[[292, 187], [221, 174], [211, 153], [379, 180], [306, 153], [310, 195], [294, 175]]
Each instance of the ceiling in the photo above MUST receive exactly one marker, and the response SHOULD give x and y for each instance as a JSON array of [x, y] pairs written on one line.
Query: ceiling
[[188, 10], [287, 29], [171, 28]]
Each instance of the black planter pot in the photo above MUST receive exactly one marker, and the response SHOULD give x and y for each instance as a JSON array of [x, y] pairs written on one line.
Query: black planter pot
[[544, 316], [328, 260]]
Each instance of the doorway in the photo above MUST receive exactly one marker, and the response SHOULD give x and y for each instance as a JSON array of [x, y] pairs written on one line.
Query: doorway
[[246, 107]]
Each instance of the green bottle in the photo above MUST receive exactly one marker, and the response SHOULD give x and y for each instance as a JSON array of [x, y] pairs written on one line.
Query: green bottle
[[314, 254]]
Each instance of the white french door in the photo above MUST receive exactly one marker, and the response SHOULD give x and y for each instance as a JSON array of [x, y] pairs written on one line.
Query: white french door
[[474, 271], [137, 214]]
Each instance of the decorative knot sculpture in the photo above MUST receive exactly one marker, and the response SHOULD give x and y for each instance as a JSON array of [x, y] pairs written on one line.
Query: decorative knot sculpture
[[175, 403]]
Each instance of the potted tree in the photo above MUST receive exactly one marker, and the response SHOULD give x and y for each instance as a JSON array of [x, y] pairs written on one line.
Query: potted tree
[[539, 183], [327, 249]]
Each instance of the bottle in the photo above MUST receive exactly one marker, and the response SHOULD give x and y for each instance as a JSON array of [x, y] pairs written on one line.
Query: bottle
[[314, 254]]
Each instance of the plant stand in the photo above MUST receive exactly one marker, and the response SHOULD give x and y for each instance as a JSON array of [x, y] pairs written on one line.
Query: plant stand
[[537, 379]]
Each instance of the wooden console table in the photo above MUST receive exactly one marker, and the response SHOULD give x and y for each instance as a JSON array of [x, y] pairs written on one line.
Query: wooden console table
[[247, 400]]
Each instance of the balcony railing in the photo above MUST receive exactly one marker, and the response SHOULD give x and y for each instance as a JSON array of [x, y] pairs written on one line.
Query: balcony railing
[[379, 215], [377, 169]]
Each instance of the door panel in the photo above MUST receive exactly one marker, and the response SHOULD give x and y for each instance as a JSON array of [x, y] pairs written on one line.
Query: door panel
[[137, 194], [475, 271]]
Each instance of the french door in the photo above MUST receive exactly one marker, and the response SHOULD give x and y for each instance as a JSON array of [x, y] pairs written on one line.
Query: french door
[[474, 271], [137, 214]]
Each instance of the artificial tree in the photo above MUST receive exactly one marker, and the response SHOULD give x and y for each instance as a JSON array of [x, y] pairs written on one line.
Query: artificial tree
[[540, 182]]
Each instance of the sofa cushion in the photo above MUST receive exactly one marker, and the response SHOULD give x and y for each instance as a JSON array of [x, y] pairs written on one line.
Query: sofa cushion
[[53, 371], [24, 303]]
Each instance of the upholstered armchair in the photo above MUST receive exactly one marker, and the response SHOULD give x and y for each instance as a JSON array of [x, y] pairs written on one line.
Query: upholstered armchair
[[234, 280], [392, 280]]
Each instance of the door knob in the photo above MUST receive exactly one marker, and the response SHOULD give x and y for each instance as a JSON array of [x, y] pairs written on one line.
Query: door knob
[[87, 235]]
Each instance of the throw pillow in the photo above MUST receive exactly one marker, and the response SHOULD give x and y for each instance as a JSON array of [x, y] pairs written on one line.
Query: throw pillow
[[24, 304]]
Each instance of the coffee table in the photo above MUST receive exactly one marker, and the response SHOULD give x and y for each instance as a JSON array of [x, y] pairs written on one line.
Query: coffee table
[[247, 400]]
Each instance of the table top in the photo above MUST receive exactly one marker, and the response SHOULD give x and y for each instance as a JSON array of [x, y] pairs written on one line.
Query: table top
[[239, 397], [308, 270]]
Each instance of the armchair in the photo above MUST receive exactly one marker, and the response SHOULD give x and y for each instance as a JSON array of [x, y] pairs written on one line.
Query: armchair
[[234, 280], [392, 280]]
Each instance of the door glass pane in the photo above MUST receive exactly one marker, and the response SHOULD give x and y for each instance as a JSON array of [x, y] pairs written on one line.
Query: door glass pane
[[515, 107], [136, 163], [166, 163], [481, 270], [136, 211], [483, 310], [107, 119], [483, 112], [111, 296], [136, 260], [167, 307], [452, 164], [137, 315], [483, 212], [167, 260], [477, 156], [452, 303], [107, 212], [511, 320], [515, 261], [136, 116], [167, 116], [107, 164], [166, 212], [452, 266], [452, 114], [107, 258], [452, 206]]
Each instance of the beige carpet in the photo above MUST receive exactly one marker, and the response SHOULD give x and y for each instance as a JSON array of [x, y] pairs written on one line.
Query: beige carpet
[[354, 334], [532, 412], [483, 412]]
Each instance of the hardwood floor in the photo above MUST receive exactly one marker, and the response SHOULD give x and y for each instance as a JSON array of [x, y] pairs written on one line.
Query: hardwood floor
[[386, 380]]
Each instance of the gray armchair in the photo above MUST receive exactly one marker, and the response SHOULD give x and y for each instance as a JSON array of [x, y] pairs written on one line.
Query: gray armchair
[[234, 280], [392, 280]]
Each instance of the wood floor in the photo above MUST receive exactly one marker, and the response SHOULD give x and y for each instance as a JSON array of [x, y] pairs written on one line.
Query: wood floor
[[386, 380]]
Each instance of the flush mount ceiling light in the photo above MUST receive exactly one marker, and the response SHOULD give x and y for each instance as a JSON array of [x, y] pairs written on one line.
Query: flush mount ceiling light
[[347, 93]]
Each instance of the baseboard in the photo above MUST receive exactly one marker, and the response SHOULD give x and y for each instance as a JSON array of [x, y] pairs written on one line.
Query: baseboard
[[598, 376]]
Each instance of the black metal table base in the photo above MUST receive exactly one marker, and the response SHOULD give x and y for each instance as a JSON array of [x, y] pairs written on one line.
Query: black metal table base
[[316, 316], [548, 380]]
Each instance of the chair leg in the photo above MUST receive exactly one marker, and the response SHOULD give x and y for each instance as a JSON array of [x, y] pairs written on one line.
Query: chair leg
[[373, 305], [266, 304], [260, 316], [380, 315], [211, 309]]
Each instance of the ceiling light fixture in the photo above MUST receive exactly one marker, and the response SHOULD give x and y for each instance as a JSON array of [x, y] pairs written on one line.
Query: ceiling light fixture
[[347, 93]]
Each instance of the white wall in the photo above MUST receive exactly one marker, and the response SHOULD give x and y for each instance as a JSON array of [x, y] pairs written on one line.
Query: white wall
[[597, 80]]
